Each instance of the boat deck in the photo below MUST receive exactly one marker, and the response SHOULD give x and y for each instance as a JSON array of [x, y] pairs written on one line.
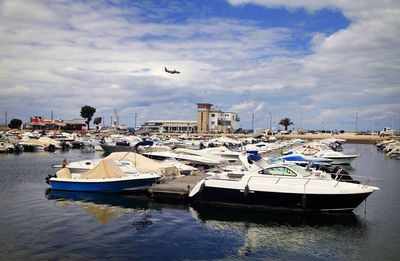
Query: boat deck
[[177, 188]]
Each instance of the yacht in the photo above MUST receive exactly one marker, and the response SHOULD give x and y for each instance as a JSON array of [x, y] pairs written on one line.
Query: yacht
[[281, 186], [319, 152]]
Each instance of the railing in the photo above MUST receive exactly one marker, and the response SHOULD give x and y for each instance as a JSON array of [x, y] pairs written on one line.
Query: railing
[[368, 179]]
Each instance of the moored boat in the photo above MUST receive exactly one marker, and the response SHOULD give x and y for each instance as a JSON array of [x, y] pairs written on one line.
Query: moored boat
[[106, 176], [319, 152], [283, 187]]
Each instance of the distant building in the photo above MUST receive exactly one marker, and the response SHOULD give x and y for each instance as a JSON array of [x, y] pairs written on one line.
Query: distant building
[[210, 120], [169, 126], [39, 123], [203, 117]]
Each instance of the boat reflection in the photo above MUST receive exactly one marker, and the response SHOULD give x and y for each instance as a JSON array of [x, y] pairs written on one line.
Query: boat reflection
[[300, 234], [105, 207], [205, 213]]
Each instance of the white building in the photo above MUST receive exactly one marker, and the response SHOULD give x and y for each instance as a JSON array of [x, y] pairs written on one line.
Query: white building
[[215, 120], [166, 126]]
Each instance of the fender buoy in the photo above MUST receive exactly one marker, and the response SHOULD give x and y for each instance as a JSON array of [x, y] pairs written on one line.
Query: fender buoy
[[64, 163]]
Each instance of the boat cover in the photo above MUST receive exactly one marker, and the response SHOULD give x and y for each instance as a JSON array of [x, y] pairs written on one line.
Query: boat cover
[[107, 168], [37, 142], [47, 141], [144, 164], [64, 173], [294, 158]]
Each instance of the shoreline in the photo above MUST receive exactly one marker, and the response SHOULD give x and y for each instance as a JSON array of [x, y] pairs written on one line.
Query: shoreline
[[349, 137]]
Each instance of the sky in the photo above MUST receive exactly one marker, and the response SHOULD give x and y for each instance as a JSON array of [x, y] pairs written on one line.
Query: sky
[[319, 63]]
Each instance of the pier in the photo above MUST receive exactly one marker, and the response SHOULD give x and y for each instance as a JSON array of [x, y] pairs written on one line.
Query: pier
[[175, 188]]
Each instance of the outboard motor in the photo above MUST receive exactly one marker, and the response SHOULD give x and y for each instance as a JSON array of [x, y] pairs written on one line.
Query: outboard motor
[[49, 177], [51, 148], [64, 145], [18, 148]]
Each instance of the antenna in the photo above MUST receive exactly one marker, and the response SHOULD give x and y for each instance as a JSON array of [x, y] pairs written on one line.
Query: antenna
[[135, 119], [270, 121], [356, 121], [252, 122], [301, 117]]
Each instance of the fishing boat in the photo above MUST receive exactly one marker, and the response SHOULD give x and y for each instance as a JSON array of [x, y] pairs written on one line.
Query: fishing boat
[[106, 176], [281, 186]]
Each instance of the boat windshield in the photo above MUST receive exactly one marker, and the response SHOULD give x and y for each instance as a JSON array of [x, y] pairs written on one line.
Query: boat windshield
[[300, 170]]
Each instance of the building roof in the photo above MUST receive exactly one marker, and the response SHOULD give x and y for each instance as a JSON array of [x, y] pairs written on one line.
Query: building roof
[[171, 121]]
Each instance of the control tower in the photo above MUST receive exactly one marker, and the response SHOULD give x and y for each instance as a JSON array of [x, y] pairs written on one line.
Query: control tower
[[203, 116]]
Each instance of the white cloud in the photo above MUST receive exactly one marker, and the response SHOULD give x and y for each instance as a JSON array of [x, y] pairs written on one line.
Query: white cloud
[[353, 69], [78, 53], [260, 107], [242, 106]]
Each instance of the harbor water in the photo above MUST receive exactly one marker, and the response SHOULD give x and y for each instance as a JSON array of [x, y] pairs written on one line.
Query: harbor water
[[39, 224]]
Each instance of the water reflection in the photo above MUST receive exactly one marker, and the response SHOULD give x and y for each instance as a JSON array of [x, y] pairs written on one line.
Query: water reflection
[[205, 213], [298, 234], [106, 207]]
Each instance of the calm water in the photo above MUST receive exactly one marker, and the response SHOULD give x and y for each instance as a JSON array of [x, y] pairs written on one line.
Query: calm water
[[37, 224]]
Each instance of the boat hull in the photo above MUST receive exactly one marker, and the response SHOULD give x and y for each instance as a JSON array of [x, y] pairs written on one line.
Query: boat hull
[[342, 160], [104, 185], [280, 201], [117, 148]]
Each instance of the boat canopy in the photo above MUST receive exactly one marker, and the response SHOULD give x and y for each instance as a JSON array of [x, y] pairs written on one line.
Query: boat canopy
[[64, 173], [144, 164], [107, 168]]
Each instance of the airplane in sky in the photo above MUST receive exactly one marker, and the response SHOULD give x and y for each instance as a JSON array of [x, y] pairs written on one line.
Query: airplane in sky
[[171, 72]]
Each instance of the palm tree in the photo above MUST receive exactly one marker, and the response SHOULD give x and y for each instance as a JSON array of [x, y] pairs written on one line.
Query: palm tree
[[286, 122]]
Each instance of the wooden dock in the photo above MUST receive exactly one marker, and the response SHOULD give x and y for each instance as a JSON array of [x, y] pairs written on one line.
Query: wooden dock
[[175, 188]]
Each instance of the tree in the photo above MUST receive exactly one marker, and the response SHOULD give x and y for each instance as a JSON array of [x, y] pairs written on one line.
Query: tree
[[87, 113], [15, 124], [97, 121], [286, 122]]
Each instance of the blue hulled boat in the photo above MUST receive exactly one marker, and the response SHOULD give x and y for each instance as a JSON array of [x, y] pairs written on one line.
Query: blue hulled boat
[[104, 177]]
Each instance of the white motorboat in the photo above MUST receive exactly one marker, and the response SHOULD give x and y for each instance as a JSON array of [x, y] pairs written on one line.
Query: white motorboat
[[6, 147], [193, 159], [224, 152], [281, 186], [182, 167], [220, 154], [318, 151]]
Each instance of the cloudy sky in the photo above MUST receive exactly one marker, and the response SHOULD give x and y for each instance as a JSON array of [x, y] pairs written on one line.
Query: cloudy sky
[[316, 62]]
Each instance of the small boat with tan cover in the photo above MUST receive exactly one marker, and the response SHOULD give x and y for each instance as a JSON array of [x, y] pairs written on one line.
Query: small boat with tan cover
[[106, 176]]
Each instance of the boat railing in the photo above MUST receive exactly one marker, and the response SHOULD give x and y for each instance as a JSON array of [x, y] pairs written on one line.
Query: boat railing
[[359, 178], [308, 179]]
